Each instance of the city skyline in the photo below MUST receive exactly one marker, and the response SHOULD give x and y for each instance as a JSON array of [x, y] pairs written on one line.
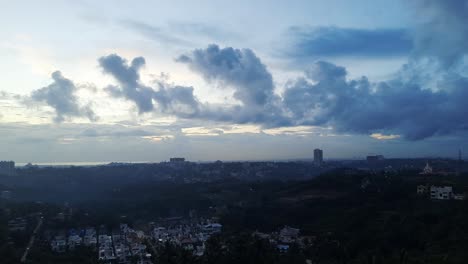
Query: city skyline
[[261, 80]]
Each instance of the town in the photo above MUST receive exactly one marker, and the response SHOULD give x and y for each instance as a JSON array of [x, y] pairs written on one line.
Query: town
[[188, 206]]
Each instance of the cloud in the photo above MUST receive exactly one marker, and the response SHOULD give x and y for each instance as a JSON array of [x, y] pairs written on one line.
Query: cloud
[[320, 42], [155, 33], [358, 106], [157, 139], [380, 136], [440, 32], [443, 34], [180, 33], [424, 99], [170, 99], [250, 79], [202, 131], [115, 132], [194, 29], [61, 96], [128, 78], [243, 71], [178, 100]]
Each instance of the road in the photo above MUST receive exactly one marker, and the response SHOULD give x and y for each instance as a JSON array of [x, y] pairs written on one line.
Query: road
[[31, 241]]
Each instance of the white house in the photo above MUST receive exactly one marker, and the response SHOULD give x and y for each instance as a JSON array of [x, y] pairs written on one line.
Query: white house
[[441, 193]]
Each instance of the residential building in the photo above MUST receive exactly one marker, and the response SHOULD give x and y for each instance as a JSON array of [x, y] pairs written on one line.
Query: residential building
[[59, 244], [441, 193], [318, 157], [7, 168], [288, 234], [422, 189], [374, 158], [17, 224], [74, 241]]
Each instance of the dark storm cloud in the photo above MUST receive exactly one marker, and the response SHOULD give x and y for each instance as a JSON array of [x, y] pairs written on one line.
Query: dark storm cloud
[[357, 106], [404, 105], [313, 42], [243, 71], [61, 96], [424, 99]]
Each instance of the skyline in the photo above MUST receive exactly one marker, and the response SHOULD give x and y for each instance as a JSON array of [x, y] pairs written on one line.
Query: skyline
[[115, 81]]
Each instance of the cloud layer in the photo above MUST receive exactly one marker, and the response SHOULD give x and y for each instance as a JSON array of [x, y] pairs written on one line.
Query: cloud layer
[[424, 98], [325, 97], [319, 42]]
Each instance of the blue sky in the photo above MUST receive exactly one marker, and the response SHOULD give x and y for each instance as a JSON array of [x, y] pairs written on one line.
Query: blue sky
[[89, 81]]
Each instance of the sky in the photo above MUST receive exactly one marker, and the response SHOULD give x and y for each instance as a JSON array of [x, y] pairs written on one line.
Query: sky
[[101, 81]]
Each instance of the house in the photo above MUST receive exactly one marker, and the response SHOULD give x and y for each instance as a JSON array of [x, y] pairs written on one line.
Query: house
[[17, 224], [74, 241], [212, 228], [441, 193], [90, 239], [283, 248], [421, 189], [59, 244], [288, 234]]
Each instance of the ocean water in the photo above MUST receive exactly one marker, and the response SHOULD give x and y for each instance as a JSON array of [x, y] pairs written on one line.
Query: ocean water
[[71, 163]]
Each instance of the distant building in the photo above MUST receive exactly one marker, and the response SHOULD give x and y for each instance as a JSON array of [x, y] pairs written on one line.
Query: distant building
[[288, 234], [374, 158], [7, 168], [17, 224], [5, 195], [318, 156], [59, 244], [441, 193], [177, 160], [421, 189], [427, 170]]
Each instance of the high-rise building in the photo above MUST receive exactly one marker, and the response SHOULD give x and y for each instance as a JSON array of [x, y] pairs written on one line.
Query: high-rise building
[[7, 168], [318, 156], [375, 158], [177, 160]]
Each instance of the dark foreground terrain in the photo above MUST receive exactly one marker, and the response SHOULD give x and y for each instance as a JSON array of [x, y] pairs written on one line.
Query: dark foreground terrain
[[341, 216]]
